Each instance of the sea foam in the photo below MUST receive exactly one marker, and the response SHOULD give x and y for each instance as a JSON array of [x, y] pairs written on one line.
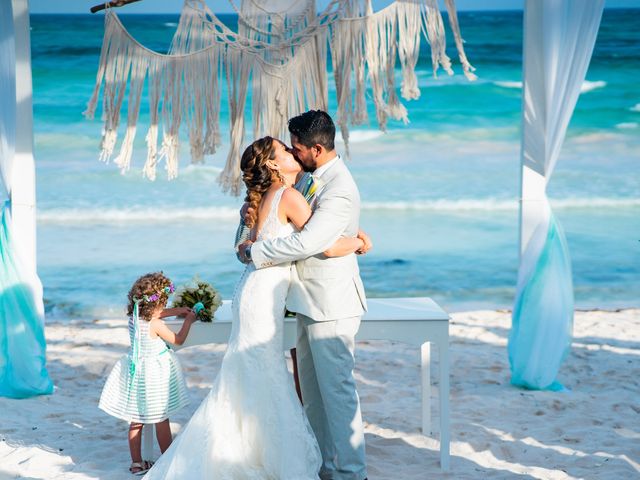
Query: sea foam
[[357, 136], [587, 85], [493, 204], [230, 214], [137, 215], [626, 125]]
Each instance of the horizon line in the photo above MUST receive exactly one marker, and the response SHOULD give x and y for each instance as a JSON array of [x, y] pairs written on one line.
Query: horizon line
[[88, 13]]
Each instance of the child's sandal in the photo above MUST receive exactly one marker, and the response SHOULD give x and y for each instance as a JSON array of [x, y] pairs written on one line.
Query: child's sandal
[[139, 468]]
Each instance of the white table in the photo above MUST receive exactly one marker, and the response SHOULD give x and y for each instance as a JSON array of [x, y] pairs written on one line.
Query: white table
[[417, 321]]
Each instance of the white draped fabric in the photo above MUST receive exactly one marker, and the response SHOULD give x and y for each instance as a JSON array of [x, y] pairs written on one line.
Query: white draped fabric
[[7, 98], [22, 343], [559, 36]]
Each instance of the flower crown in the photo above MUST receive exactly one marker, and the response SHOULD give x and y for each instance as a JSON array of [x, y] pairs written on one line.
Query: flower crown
[[156, 296]]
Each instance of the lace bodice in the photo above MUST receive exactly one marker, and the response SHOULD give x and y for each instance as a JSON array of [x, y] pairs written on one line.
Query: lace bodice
[[272, 227]]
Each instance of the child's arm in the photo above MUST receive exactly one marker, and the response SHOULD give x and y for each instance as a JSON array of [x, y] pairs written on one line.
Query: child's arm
[[175, 312], [160, 329]]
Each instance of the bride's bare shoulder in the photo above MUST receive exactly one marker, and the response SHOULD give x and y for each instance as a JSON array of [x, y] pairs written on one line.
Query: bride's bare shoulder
[[292, 196], [294, 207]]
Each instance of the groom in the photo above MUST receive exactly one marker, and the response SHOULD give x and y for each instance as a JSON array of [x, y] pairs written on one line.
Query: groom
[[327, 295]]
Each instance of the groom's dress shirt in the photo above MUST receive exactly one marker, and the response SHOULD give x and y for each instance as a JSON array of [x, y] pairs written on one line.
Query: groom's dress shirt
[[319, 172], [322, 288]]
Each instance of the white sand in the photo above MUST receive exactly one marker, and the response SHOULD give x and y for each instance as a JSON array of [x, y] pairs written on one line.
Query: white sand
[[497, 431]]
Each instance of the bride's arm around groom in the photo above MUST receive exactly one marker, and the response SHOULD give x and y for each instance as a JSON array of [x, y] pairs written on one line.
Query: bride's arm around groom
[[336, 205]]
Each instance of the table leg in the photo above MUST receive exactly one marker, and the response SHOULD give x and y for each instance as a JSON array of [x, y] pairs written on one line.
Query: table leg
[[147, 442], [425, 356], [443, 360]]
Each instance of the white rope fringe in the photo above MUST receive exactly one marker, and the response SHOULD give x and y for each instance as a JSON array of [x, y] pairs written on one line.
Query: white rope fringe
[[281, 56]]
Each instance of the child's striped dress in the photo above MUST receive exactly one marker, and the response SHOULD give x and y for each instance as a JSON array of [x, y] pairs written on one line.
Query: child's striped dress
[[146, 385]]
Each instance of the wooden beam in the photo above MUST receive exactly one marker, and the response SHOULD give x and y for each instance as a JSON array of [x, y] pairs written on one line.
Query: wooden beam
[[115, 3]]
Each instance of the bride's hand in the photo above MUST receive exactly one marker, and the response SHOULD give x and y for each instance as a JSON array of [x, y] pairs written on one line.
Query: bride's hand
[[247, 212], [368, 245], [242, 250]]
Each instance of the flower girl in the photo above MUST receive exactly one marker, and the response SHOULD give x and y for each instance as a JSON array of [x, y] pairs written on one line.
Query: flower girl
[[146, 386]]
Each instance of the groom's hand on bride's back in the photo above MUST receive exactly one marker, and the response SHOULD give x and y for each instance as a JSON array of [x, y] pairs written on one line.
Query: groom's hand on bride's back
[[368, 245]]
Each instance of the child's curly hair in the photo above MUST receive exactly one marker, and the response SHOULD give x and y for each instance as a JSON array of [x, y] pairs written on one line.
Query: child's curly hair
[[149, 285]]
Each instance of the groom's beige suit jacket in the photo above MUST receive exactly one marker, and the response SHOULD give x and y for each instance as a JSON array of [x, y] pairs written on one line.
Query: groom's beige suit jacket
[[322, 288]]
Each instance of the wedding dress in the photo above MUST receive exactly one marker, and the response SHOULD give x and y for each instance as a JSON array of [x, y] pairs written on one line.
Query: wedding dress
[[251, 425]]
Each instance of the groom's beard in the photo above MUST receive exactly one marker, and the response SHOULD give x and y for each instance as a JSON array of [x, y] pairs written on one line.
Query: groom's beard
[[304, 167]]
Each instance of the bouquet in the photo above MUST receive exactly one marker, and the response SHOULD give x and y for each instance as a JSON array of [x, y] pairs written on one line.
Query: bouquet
[[199, 296]]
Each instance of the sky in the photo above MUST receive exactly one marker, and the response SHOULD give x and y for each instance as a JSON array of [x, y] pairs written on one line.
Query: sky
[[223, 6]]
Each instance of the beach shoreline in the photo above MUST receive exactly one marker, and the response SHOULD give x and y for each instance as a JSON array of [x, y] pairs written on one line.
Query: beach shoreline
[[497, 430]]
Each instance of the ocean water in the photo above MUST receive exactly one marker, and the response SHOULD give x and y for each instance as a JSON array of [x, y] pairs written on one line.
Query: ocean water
[[440, 195]]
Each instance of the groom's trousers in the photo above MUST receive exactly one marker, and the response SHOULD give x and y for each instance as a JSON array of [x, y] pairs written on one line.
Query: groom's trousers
[[325, 354]]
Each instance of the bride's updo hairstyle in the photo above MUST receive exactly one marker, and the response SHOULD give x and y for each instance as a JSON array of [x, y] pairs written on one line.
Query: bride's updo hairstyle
[[257, 176]]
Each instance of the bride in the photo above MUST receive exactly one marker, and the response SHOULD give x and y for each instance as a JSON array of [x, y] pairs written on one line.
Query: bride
[[251, 425]]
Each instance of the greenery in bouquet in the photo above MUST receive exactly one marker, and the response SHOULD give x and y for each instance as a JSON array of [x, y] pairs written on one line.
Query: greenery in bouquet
[[200, 296]]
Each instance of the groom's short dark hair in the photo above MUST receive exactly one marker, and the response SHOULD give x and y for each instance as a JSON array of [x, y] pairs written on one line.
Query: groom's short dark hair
[[314, 127]]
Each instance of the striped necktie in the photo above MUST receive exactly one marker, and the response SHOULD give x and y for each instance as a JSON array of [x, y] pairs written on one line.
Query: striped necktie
[[308, 187]]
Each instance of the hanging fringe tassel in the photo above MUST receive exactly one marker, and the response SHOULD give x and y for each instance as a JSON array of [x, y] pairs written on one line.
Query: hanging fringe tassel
[[408, 13], [172, 114], [237, 70], [140, 65], [280, 92], [107, 145], [396, 110], [194, 106], [455, 27], [434, 31], [149, 169], [118, 69], [211, 87], [155, 75], [89, 113], [348, 58], [310, 90], [201, 82], [381, 57], [169, 152]]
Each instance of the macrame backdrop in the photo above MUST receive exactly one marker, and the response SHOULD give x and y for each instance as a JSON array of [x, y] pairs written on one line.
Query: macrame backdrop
[[279, 51]]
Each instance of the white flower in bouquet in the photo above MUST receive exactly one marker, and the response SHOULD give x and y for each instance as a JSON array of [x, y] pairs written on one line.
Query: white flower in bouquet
[[200, 296]]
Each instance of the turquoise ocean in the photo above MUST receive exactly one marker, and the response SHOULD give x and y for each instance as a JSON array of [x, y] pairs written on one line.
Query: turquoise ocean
[[440, 195]]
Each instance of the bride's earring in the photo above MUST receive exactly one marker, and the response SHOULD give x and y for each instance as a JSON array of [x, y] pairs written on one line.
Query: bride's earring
[[280, 177]]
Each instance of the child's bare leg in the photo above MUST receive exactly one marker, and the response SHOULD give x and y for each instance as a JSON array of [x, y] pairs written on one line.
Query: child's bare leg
[[135, 441], [163, 434]]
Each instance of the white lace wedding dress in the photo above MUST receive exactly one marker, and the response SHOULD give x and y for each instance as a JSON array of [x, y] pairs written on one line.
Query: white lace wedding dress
[[251, 425]]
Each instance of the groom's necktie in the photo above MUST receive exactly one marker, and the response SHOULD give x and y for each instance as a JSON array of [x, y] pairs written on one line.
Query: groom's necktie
[[309, 187]]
